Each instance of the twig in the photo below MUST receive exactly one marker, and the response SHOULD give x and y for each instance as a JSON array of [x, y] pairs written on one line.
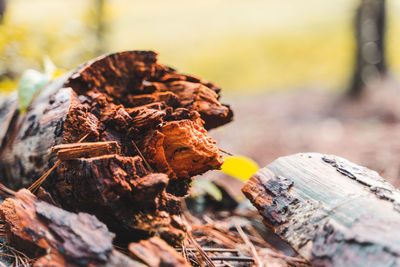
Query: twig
[[227, 258], [199, 261], [225, 152], [39, 181], [5, 191], [213, 250], [18, 256], [253, 250], [184, 251], [202, 253]]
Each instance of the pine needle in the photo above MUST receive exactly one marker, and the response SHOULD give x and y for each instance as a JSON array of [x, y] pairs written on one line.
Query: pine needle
[[225, 152], [202, 253], [141, 155], [247, 241], [184, 251], [35, 186], [42, 178]]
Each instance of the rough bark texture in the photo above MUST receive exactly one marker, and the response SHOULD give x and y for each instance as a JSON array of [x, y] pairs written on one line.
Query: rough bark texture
[[57, 237], [330, 210], [156, 121]]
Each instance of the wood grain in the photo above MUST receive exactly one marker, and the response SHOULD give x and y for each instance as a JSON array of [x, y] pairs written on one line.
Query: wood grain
[[86, 150]]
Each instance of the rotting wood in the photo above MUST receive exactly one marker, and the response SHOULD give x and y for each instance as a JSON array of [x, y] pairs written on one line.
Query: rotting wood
[[56, 237], [86, 150], [330, 210], [155, 114]]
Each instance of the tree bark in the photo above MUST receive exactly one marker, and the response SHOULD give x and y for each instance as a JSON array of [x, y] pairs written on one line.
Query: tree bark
[[156, 121], [3, 6], [370, 62], [333, 212], [54, 237]]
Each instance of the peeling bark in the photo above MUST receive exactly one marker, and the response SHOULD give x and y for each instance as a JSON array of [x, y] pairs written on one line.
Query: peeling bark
[[133, 111], [333, 212]]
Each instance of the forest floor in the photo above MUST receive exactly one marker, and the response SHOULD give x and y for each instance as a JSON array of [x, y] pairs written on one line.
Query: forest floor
[[364, 130], [267, 126]]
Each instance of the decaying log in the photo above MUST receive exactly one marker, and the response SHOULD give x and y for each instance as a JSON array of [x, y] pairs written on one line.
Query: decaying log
[[330, 210], [123, 194], [145, 135], [57, 237]]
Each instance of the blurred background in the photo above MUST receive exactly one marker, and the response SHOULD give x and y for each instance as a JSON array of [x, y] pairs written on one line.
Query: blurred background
[[305, 75]]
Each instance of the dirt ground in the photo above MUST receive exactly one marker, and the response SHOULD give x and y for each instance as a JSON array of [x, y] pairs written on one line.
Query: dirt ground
[[365, 131]]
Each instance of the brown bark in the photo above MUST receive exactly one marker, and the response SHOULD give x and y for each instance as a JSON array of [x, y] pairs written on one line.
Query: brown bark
[[148, 112], [332, 211], [57, 237]]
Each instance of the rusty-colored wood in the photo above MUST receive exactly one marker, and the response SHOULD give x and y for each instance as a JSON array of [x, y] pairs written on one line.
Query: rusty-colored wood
[[153, 113], [330, 210], [55, 237], [86, 150]]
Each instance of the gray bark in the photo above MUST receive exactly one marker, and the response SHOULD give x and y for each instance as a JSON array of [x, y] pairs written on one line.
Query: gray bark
[[370, 60]]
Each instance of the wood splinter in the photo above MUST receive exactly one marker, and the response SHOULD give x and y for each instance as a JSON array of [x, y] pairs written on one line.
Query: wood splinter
[[86, 150]]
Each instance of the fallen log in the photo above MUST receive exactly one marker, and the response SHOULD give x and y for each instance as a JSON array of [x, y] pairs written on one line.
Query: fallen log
[[154, 117], [333, 212]]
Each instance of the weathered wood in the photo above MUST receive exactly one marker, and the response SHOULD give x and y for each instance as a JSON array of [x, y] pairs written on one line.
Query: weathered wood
[[131, 100], [86, 150], [330, 210]]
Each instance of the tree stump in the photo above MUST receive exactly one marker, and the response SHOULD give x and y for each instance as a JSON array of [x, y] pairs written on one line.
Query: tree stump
[[333, 212], [144, 127]]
